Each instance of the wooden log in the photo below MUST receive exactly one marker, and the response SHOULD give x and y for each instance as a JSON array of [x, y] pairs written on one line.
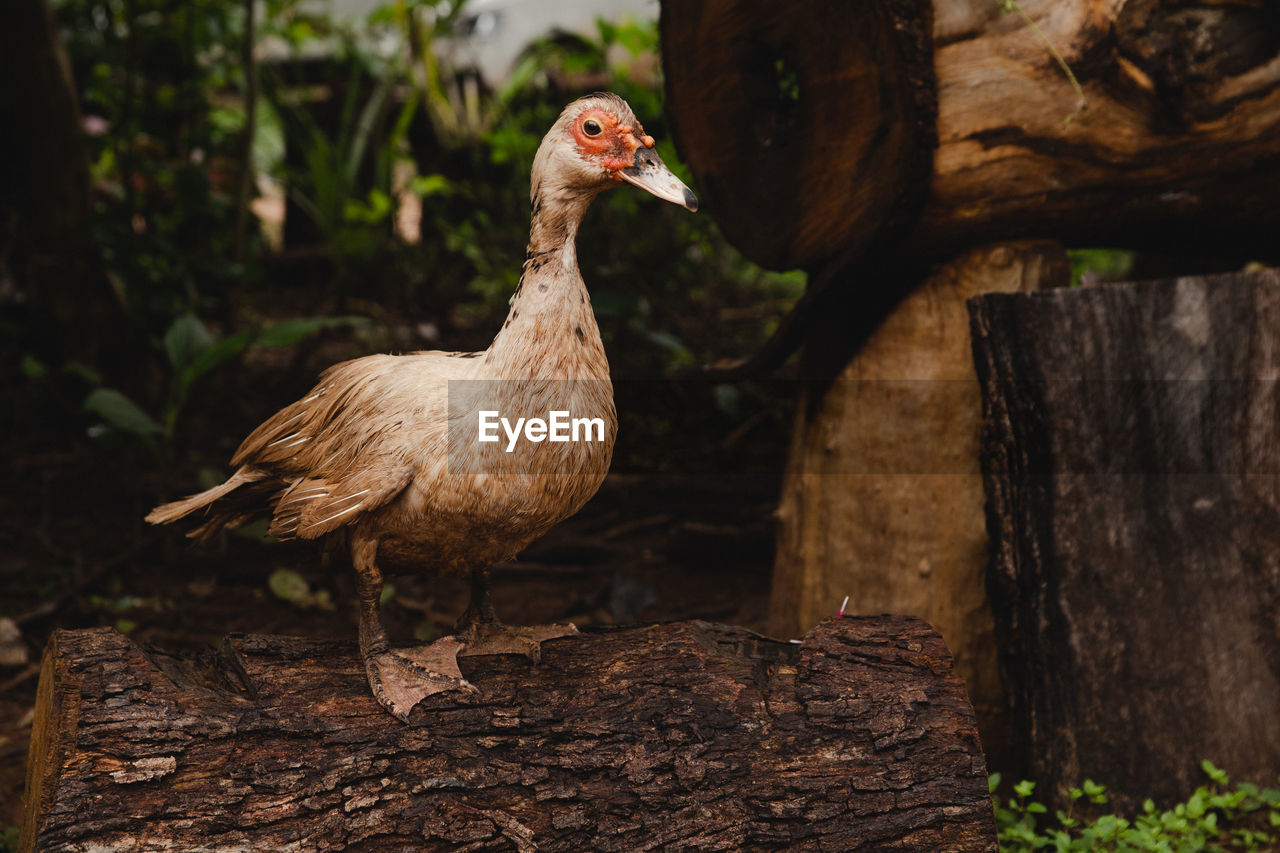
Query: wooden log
[[882, 500], [686, 736], [804, 125], [761, 98], [1130, 463], [1178, 135]]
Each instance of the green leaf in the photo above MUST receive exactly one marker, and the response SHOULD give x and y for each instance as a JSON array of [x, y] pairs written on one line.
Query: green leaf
[[214, 356], [1024, 788], [288, 585], [429, 185], [667, 341], [1195, 805], [289, 332], [292, 587], [185, 340], [1216, 774], [118, 411], [32, 367], [86, 373]]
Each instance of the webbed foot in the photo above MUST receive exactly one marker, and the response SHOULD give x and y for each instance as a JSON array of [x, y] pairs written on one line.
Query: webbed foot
[[495, 638], [402, 678]]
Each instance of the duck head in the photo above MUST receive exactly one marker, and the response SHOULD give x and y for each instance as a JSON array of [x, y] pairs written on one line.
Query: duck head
[[598, 143]]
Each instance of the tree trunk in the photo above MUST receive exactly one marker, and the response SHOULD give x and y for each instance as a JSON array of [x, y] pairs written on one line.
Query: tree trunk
[[686, 736], [1131, 469], [805, 125], [45, 197], [882, 500]]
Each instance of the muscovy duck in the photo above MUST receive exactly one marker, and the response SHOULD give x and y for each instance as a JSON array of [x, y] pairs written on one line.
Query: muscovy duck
[[394, 456]]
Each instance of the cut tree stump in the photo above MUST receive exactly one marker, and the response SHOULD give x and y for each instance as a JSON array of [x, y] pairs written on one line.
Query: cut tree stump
[[1132, 468], [686, 736], [882, 498]]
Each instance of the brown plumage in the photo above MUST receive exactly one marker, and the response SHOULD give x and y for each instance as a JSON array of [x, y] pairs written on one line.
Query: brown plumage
[[383, 454]]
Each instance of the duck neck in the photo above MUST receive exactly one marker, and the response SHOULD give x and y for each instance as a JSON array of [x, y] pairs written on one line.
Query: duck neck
[[550, 331]]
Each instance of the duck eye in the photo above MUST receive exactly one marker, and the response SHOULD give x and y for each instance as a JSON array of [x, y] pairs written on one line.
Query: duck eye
[[591, 127]]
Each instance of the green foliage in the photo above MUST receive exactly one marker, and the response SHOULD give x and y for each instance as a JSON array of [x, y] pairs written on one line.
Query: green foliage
[[122, 414], [1089, 266], [164, 96], [9, 838], [1216, 817], [193, 352], [288, 585], [162, 139], [344, 186]]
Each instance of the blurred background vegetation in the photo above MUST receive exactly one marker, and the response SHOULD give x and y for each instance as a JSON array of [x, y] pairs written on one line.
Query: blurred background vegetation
[[272, 195]]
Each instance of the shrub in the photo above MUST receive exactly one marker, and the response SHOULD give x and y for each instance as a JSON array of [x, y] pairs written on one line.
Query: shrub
[[1216, 817]]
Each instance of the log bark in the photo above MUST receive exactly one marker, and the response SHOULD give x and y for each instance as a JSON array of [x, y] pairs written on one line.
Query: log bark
[[882, 500], [1178, 133], [1133, 501], [686, 736]]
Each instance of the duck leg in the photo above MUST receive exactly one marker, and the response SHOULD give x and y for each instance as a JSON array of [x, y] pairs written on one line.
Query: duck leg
[[483, 634], [401, 678]]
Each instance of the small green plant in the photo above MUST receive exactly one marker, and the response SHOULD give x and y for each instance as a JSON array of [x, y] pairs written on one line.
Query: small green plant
[[1090, 266], [344, 180], [192, 352], [9, 839], [1216, 817]]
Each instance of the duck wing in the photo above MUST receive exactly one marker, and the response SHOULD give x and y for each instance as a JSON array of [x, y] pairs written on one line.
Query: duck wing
[[353, 444]]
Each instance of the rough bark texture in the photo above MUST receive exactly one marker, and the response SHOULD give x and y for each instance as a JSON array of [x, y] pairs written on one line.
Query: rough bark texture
[[686, 736], [763, 98], [1131, 468], [1179, 134], [882, 500]]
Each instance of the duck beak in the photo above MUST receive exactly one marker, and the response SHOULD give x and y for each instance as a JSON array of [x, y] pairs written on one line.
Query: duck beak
[[649, 173]]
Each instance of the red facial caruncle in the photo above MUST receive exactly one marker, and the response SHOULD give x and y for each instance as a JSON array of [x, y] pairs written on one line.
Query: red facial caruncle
[[600, 136]]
